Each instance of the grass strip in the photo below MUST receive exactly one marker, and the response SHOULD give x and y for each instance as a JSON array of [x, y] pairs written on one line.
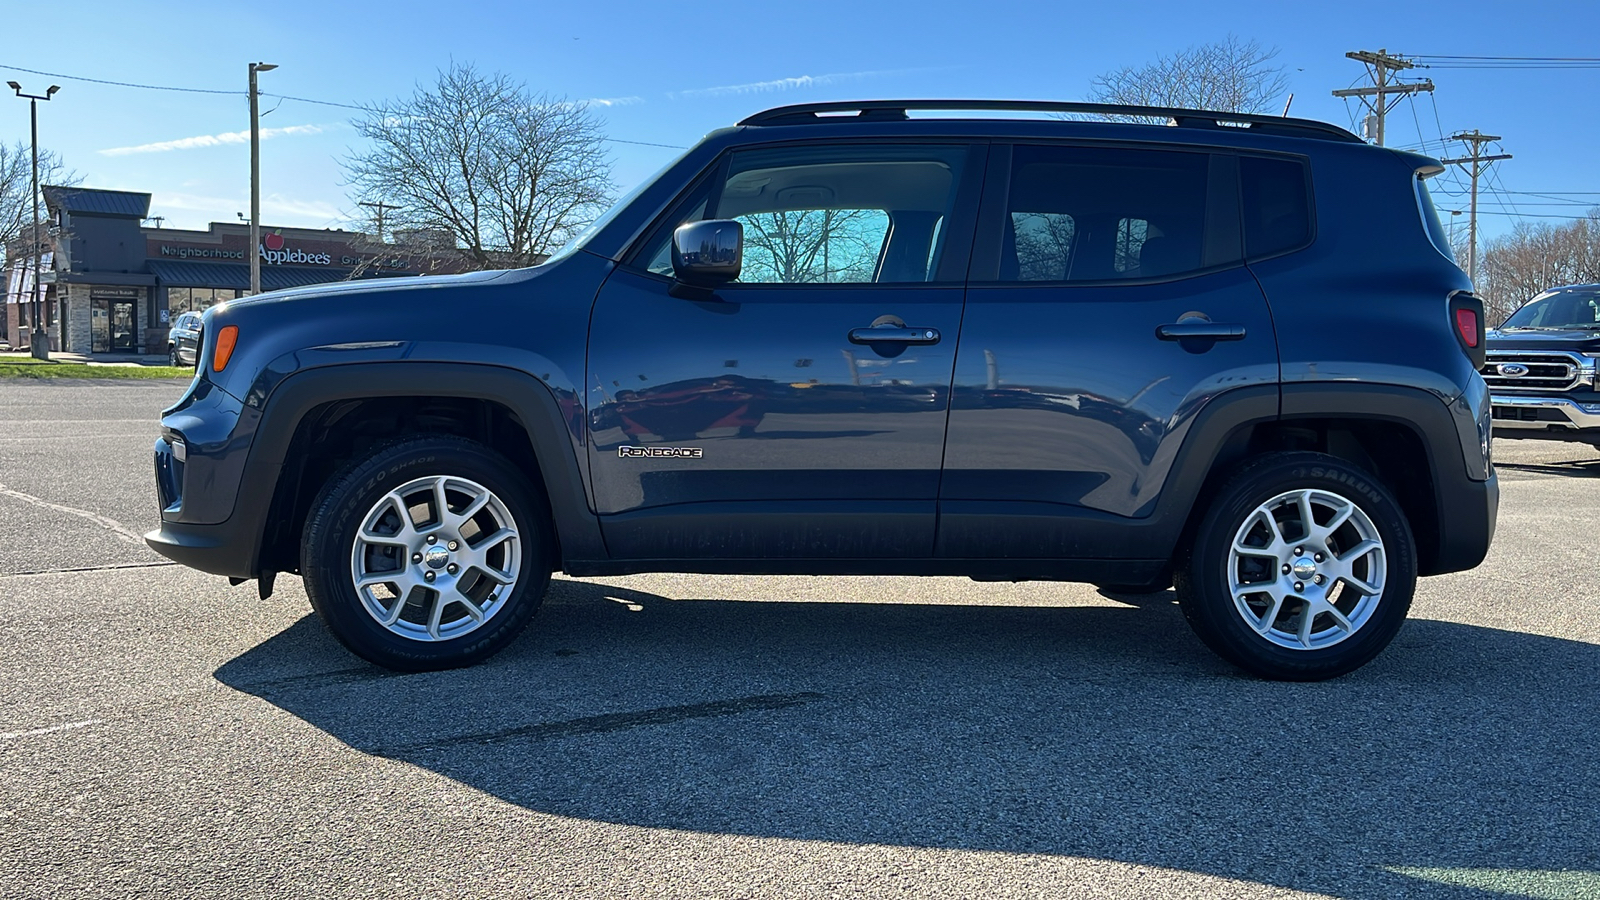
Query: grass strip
[[41, 369]]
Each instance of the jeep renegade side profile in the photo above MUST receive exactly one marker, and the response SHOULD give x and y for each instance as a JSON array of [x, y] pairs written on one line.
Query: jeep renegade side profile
[[1230, 353]]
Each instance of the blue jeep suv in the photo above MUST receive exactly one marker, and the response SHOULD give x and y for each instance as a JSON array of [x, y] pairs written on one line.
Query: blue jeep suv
[[1229, 353]]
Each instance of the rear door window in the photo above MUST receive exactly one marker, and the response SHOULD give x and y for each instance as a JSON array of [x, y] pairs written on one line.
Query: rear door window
[[1104, 214], [1275, 197]]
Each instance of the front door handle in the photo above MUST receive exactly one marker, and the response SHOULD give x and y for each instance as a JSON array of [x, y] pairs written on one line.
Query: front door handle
[[898, 334], [1200, 330]]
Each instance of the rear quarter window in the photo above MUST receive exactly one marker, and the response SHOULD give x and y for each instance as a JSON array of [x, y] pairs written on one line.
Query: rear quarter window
[[1275, 200]]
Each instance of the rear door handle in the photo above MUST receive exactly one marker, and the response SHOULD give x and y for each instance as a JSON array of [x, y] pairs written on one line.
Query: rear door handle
[[898, 334], [1208, 331]]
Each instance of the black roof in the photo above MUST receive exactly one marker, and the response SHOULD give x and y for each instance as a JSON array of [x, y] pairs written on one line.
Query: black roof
[[96, 202], [896, 110]]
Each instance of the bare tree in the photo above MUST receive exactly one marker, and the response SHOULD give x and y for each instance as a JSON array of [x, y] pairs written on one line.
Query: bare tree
[[1535, 257], [509, 174], [1231, 75], [812, 246], [16, 186]]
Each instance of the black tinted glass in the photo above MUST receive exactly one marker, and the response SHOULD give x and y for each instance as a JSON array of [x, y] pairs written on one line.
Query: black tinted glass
[[1096, 214], [1277, 214]]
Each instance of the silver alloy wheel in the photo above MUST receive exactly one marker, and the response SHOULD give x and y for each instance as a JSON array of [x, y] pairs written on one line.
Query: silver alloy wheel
[[1307, 569], [436, 558]]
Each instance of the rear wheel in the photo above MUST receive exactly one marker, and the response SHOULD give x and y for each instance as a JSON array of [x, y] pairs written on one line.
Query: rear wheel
[[1303, 568], [172, 356], [431, 553]]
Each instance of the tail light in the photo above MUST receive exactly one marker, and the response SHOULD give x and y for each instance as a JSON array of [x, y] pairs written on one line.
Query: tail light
[[1466, 315]]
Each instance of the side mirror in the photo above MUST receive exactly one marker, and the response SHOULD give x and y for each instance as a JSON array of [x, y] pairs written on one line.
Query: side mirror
[[706, 255]]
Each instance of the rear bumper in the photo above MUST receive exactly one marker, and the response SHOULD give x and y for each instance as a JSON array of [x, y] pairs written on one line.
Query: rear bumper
[[1469, 510], [1520, 416]]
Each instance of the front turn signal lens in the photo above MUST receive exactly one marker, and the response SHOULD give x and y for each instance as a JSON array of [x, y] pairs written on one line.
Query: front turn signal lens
[[226, 339]]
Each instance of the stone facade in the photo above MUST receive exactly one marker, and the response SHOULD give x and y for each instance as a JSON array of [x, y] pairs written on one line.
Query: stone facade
[[79, 321]]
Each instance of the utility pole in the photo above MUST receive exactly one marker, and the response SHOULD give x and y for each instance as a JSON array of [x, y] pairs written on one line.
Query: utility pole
[[381, 207], [255, 176], [1474, 161], [39, 340], [1379, 65]]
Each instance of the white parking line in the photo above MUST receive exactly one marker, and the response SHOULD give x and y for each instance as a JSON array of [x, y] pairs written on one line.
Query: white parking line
[[122, 532], [11, 735]]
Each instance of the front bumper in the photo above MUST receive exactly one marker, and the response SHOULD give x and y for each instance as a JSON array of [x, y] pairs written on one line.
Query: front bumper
[[225, 548], [1520, 416]]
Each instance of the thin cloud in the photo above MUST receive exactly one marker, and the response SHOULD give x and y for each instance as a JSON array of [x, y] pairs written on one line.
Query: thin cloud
[[223, 209], [213, 140], [786, 84], [613, 101]]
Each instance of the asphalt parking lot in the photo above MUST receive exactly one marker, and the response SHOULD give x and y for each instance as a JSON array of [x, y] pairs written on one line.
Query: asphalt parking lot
[[165, 734]]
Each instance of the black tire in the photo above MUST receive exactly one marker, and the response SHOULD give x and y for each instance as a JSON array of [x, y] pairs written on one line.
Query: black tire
[[1203, 581], [347, 497], [172, 356]]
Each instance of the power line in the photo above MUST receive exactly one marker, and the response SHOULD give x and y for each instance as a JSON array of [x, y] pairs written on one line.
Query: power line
[[1495, 212], [317, 102], [1440, 61], [190, 90], [126, 84], [1379, 65], [1475, 159]]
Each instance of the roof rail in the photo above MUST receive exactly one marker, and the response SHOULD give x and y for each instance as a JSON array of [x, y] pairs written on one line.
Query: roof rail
[[895, 111]]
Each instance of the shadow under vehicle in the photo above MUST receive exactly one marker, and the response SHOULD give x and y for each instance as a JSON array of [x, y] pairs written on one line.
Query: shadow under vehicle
[[1100, 732]]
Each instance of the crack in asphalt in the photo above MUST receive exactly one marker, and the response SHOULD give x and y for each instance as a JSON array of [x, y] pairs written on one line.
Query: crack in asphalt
[[665, 715], [109, 567], [120, 531]]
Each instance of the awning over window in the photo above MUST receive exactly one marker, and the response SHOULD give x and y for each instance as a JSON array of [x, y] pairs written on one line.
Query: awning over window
[[232, 275]]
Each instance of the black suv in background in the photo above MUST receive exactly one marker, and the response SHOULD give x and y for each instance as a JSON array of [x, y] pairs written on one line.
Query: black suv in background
[[1231, 353], [1541, 367], [183, 341]]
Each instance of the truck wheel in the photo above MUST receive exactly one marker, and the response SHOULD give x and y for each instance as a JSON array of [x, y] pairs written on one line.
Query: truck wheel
[[1302, 569], [430, 553]]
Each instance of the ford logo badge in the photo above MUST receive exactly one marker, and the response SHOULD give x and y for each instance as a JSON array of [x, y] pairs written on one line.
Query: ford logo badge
[[1513, 370]]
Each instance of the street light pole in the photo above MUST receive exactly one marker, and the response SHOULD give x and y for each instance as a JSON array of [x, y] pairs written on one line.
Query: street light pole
[[39, 340], [255, 176]]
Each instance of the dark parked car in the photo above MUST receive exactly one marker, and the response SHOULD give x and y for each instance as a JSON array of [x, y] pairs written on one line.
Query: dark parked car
[[1541, 367], [183, 341], [1233, 354]]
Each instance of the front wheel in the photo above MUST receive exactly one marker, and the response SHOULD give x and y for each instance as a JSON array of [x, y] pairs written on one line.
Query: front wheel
[[172, 356], [431, 553], [1302, 569]]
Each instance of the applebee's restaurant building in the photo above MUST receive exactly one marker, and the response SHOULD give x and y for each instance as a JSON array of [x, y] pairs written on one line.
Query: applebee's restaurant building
[[115, 285]]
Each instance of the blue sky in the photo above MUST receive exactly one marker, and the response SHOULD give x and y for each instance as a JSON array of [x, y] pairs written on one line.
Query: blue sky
[[673, 71]]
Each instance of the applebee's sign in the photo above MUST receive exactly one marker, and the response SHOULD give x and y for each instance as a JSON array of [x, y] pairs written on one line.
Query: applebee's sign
[[272, 252]]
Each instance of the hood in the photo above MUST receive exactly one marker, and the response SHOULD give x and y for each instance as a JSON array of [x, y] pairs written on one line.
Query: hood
[[1577, 340], [374, 285]]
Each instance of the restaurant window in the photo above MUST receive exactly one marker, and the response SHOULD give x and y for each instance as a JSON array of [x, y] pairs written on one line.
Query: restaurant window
[[197, 299]]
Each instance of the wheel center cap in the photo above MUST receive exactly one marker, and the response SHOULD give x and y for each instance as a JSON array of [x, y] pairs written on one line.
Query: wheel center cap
[[436, 557], [1304, 568]]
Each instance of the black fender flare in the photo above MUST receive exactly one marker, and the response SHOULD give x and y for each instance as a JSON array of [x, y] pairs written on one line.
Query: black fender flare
[[532, 402], [1465, 508]]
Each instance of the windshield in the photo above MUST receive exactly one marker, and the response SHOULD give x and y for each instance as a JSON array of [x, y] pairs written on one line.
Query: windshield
[[1566, 309]]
